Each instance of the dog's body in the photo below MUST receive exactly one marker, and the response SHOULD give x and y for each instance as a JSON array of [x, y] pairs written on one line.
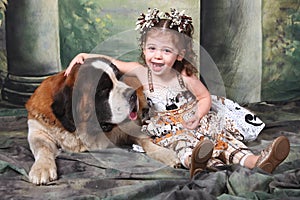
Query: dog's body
[[87, 110]]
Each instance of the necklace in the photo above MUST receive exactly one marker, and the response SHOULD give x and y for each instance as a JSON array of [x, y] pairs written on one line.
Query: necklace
[[150, 82]]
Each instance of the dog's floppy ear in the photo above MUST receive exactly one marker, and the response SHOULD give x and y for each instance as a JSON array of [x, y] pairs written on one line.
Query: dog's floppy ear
[[62, 108]]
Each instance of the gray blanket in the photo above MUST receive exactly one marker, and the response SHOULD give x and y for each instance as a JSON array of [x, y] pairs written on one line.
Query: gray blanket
[[120, 173]]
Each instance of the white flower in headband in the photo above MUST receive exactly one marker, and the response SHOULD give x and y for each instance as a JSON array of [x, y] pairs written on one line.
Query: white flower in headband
[[146, 21], [179, 19]]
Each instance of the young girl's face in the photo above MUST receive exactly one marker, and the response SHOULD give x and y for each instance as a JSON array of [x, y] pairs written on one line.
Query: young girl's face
[[161, 52]]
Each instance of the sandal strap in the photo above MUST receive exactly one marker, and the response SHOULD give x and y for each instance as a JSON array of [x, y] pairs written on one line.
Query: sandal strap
[[231, 156]]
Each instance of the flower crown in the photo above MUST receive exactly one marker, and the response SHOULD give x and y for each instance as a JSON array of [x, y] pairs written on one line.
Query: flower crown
[[147, 21]]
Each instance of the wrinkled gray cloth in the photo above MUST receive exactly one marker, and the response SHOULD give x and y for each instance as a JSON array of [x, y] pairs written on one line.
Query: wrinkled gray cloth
[[120, 173]]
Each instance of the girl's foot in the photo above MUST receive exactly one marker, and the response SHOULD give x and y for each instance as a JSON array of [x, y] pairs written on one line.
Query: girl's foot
[[200, 156], [274, 154]]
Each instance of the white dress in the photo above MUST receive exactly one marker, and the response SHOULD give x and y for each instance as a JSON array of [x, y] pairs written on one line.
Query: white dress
[[227, 124]]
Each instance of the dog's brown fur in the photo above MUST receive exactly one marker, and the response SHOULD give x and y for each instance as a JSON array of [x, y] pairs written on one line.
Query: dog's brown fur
[[46, 133]]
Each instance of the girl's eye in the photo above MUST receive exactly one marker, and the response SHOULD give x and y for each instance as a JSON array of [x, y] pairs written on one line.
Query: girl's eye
[[151, 48], [167, 50]]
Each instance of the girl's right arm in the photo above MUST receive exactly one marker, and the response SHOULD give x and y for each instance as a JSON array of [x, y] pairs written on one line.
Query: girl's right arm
[[79, 59], [124, 67]]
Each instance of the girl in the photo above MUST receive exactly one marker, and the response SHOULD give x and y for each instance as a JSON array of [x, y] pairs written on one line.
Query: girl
[[180, 116]]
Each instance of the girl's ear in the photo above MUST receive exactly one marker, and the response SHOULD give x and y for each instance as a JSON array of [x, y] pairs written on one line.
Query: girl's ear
[[181, 55]]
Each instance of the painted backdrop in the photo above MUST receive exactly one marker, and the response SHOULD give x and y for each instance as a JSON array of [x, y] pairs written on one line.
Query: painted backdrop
[[254, 44]]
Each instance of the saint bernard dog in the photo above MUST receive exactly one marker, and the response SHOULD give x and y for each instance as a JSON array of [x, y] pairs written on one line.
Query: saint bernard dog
[[90, 109]]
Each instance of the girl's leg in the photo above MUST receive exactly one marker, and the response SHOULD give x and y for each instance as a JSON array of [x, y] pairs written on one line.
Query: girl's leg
[[238, 153], [183, 146], [249, 161], [274, 154], [213, 163], [200, 156], [193, 154]]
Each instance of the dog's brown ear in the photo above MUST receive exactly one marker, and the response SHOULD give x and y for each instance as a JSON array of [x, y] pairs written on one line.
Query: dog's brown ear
[[62, 108]]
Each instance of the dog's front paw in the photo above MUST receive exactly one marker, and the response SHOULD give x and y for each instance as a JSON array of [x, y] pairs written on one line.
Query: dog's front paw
[[166, 156], [171, 159], [42, 172]]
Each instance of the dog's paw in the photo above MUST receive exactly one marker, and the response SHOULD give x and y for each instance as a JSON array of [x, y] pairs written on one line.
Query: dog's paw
[[42, 172], [166, 156], [172, 160]]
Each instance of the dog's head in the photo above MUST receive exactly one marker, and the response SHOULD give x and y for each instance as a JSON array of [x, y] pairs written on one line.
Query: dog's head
[[114, 100], [97, 94]]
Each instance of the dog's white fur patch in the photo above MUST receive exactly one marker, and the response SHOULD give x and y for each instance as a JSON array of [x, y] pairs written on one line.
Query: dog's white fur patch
[[117, 94]]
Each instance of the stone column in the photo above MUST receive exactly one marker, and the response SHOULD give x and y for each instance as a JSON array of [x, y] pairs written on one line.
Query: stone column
[[32, 42], [232, 35]]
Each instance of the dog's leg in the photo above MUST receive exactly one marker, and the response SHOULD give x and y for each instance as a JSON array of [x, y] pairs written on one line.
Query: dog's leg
[[44, 150], [164, 155], [159, 153]]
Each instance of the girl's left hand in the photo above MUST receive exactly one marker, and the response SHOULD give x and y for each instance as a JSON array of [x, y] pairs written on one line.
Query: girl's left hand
[[193, 122]]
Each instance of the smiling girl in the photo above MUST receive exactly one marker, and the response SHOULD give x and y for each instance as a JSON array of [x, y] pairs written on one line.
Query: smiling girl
[[180, 105]]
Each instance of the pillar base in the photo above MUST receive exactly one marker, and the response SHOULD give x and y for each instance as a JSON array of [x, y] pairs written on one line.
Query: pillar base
[[17, 90]]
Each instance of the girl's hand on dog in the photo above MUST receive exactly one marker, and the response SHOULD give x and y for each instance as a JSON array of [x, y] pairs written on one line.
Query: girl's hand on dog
[[79, 59]]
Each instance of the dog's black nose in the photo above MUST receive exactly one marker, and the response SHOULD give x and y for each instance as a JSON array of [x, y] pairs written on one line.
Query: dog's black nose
[[106, 127]]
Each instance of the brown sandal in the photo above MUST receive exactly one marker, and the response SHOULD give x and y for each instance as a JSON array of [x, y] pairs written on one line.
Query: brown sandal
[[200, 156], [274, 154]]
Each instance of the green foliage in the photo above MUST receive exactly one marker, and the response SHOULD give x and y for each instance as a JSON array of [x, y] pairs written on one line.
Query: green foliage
[[281, 54], [82, 26]]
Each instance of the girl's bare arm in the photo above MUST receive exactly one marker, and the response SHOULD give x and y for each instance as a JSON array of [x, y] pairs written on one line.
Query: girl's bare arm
[[204, 100], [124, 67]]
